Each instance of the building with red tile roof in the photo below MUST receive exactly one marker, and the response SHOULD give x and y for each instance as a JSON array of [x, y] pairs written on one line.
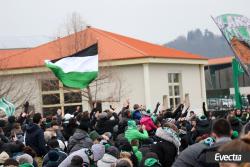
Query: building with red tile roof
[[150, 73]]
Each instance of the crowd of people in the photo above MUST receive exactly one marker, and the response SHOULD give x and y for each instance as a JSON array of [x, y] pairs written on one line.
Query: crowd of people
[[129, 137]]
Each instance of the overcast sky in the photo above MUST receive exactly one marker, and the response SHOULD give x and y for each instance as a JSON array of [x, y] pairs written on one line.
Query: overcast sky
[[28, 22]]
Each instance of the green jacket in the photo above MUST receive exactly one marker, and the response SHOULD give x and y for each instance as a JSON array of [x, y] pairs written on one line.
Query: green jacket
[[138, 153], [133, 133]]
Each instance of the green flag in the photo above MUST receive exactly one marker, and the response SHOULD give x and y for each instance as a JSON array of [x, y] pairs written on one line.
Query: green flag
[[237, 71], [7, 107]]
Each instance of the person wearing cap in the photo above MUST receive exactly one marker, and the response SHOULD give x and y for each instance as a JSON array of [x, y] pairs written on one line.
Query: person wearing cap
[[133, 133]]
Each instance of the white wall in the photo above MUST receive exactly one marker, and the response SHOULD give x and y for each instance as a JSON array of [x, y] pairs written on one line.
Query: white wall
[[190, 78]]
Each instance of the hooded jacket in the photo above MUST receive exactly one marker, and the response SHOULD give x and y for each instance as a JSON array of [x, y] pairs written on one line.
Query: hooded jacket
[[167, 146], [149, 124], [79, 140], [107, 161], [189, 156], [133, 133], [34, 138], [62, 156]]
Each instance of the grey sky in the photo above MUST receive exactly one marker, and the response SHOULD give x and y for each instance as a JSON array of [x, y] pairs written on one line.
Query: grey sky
[[157, 21]]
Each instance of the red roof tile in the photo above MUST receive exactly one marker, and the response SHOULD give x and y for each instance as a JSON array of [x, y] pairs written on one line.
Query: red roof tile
[[111, 47], [220, 60]]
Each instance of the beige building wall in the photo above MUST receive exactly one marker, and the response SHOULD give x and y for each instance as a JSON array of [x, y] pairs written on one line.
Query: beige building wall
[[190, 80]]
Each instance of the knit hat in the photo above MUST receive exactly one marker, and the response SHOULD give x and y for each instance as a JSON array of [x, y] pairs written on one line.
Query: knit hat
[[25, 158], [152, 162], [132, 124], [3, 157], [202, 117], [53, 155], [98, 151], [235, 134], [102, 115], [112, 150], [94, 135]]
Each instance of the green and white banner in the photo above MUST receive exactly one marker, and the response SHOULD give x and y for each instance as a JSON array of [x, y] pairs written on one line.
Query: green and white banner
[[234, 25], [7, 107], [77, 70]]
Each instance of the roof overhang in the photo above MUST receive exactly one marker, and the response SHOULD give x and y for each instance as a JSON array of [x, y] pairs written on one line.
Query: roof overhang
[[147, 60]]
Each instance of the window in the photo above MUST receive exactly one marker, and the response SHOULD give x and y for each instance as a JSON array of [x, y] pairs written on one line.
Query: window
[[174, 87], [54, 96]]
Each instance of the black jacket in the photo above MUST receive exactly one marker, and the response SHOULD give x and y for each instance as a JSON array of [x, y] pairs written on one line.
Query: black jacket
[[166, 152], [106, 124], [34, 137]]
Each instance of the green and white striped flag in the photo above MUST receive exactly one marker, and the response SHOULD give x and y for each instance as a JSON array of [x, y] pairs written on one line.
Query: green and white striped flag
[[78, 70], [234, 25], [7, 107]]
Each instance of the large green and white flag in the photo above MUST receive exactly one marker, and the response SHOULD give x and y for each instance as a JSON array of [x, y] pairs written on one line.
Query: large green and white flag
[[77, 70], [234, 25], [7, 107]]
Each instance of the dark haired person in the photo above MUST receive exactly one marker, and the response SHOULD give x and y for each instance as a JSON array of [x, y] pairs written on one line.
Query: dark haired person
[[195, 154], [221, 131], [34, 135], [54, 146]]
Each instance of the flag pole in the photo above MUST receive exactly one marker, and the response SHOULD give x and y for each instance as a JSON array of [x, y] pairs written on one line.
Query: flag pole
[[235, 68]]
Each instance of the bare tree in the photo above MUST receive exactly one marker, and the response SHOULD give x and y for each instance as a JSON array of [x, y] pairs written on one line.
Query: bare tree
[[14, 87], [107, 78]]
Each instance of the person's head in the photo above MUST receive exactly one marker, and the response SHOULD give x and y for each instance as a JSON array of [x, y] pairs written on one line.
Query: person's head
[[84, 125], [24, 158], [54, 125], [221, 128], [112, 150], [78, 109], [10, 162], [59, 111], [134, 142], [76, 161], [237, 112], [53, 155], [126, 113], [193, 121], [136, 106], [12, 119], [236, 146], [30, 151], [53, 143], [37, 118], [124, 162], [191, 113]]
